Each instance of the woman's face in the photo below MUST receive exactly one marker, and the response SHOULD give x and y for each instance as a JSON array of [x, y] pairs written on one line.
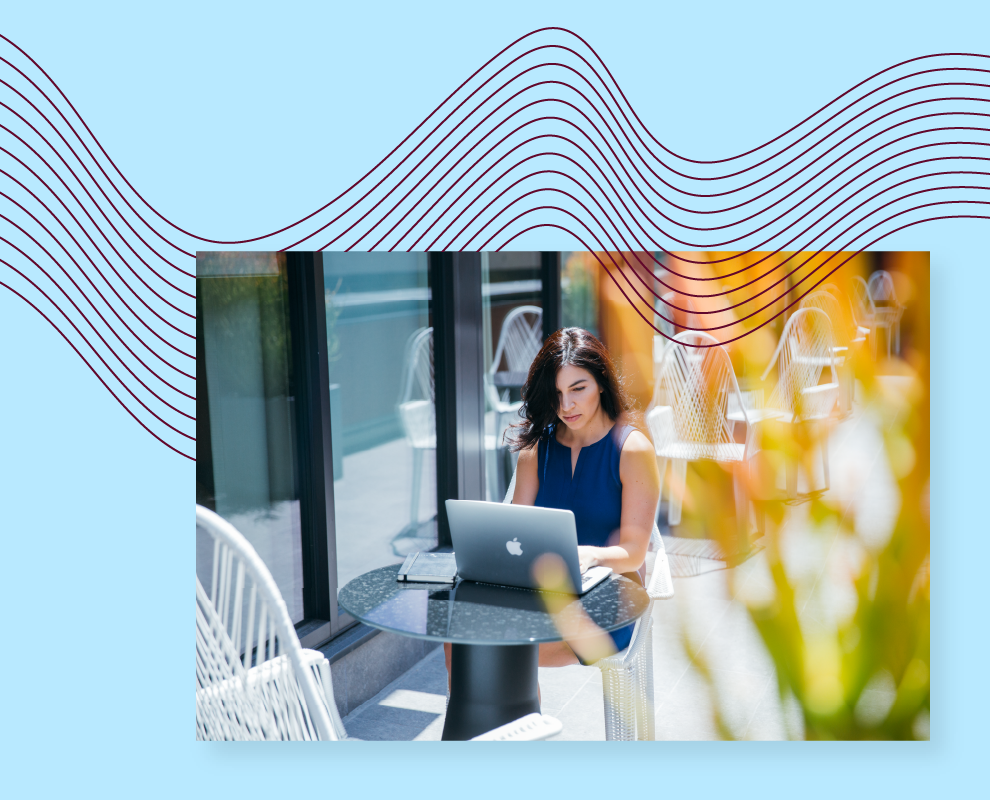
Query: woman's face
[[578, 396]]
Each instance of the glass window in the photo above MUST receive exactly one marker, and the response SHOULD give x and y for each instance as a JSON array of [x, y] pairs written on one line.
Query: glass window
[[579, 291], [380, 353], [245, 454], [512, 310]]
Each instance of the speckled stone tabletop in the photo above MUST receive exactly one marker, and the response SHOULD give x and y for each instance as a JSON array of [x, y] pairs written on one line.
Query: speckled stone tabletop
[[480, 613]]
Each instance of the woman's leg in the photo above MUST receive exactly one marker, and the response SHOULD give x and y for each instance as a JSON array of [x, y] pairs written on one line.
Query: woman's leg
[[557, 654]]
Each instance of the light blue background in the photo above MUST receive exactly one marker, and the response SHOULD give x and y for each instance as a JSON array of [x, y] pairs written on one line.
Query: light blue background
[[235, 120]]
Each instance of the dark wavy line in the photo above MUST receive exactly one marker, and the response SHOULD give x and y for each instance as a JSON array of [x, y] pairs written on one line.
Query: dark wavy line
[[62, 289], [626, 247], [604, 158], [623, 185], [622, 158], [637, 223], [974, 55], [96, 183], [123, 405], [762, 308], [95, 161], [82, 207], [646, 147], [74, 197], [55, 261], [85, 253], [557, 82], [790, 305], [474, 111], [85, 295], [691, 244], [97, 354]]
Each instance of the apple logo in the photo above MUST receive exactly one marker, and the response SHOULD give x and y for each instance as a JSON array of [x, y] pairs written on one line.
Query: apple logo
[[514, 547]]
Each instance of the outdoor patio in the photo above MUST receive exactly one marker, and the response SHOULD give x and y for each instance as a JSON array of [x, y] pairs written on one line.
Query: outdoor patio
[[717, 623]]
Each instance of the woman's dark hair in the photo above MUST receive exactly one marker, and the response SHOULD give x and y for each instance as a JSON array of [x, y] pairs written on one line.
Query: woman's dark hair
[[568, 346]]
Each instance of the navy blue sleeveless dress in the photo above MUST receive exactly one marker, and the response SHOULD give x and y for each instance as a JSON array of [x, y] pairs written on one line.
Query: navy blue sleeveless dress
[[594, 494]]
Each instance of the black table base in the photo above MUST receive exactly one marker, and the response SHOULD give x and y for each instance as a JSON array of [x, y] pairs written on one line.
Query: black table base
[[490, 685]]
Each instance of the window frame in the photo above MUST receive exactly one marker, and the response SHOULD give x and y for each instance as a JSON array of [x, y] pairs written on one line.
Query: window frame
[[456, 312]]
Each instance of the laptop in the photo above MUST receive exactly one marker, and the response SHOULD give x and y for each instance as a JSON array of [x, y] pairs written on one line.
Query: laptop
[[498, 543]]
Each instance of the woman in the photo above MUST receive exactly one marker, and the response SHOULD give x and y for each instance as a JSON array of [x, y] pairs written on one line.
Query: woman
[[577, 451]]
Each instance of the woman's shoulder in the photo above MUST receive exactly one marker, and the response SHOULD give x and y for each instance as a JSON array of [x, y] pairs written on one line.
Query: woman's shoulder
[[635, 441], [637, 459], [528, 454]]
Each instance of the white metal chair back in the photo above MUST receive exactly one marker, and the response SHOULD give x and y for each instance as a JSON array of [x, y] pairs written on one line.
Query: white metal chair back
[[805, 350], [865, 310], [417, 381], [697, 383], [881, 288], [417, 393], [520, 340], [887, 308], [828, 304], [253, 679]]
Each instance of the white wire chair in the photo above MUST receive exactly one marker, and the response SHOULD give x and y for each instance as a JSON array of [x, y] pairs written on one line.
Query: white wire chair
[[253, 679], [886, 306], [869, 316], [627, 676], [806, 348], [417, 409], [689, 417], [847, 336], [520, 340]]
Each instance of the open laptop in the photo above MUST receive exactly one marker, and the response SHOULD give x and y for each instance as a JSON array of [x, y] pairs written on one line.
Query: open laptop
[[498, 543]]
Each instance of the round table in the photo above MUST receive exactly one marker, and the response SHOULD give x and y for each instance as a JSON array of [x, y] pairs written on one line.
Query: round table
[[495, 632]]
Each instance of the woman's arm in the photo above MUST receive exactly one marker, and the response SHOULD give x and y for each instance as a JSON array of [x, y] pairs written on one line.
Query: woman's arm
[[527, 478], [640, 492]]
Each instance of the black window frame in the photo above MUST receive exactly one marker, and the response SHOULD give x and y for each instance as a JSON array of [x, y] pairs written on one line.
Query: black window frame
[[456, 311]]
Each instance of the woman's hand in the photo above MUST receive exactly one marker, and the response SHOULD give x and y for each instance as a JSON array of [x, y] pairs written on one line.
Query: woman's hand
[[588, 557]]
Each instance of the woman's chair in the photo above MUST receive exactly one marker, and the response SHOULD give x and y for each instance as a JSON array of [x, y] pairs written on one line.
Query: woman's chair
[[806, 348], [689, 418], [627, 676], [253, 679]]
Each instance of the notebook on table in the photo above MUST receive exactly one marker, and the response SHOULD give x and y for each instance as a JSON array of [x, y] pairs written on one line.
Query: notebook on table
[[424, 567]]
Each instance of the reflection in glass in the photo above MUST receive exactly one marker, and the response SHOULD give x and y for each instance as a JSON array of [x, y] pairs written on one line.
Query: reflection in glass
[[245, 456], [512, 299], [380, 353]]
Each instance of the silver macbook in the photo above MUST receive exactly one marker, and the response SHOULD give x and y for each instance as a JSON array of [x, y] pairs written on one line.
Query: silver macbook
[[498, 543]]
